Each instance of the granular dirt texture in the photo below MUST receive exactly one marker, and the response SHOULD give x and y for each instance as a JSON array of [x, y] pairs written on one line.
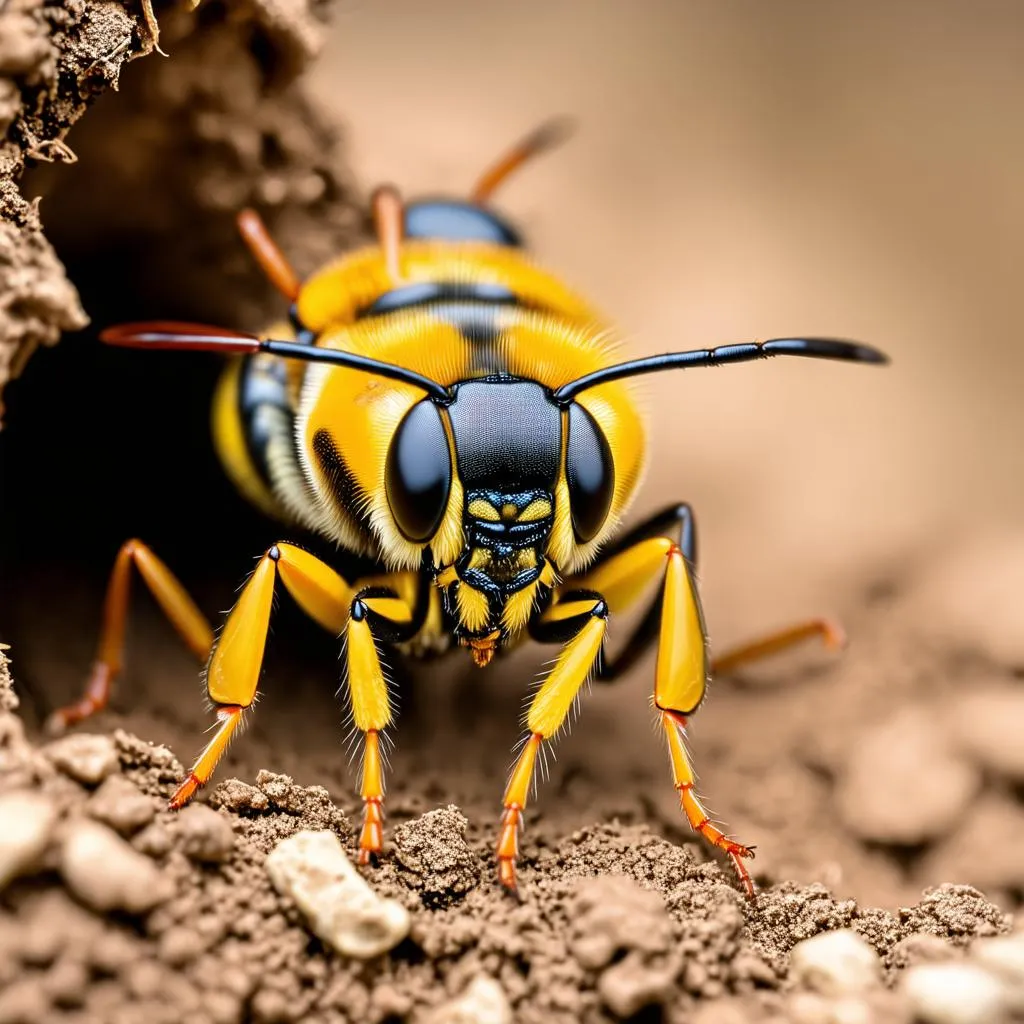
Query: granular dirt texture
[[126, 911]]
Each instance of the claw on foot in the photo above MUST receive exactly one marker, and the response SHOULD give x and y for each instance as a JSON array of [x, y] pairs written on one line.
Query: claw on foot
[[94, 698]]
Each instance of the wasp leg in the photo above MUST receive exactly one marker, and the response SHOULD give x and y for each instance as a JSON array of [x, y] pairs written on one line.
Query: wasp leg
[[677, 522], [832, 634], [234, 669], [580, 620], [681, 672], [378, 614], [179, 608]]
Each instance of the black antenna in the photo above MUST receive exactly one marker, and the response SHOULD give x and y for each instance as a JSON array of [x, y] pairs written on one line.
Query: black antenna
[[817, 348], [170, 334]]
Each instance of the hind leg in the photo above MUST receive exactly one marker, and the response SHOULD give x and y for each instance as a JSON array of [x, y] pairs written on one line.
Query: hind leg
[[181, 612]]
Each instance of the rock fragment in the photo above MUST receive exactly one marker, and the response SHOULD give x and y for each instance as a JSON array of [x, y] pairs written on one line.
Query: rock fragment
[[903, 784], [435, 857], [26, 825], [632, 984], [84, 757], [483, 1001], [836, 963], [960, 993], [612, 914], [312, 869], [987, 724], [105, 873], [119, 804], [205, 835]]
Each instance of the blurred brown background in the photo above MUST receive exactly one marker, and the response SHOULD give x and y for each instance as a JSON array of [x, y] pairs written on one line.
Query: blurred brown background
[[747, 171]]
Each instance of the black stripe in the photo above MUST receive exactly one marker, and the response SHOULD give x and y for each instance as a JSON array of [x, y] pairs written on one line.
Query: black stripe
[[264, 409], [348, 495]]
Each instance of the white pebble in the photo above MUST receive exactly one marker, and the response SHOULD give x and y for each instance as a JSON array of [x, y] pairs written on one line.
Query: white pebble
[[902, 784], [1004, 956], [483, 1001], [26, 824], [312, 868], [105, 873], [958, 993], [87, 758], [835, 963]]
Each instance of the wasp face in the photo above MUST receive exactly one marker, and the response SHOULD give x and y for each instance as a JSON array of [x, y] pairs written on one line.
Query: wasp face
[[515, 451]]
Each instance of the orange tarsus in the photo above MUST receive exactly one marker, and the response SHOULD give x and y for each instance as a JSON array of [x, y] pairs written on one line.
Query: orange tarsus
[[832, 634], [389, 223], [371, 838], [268, 255], [546, 136], [185, 792]]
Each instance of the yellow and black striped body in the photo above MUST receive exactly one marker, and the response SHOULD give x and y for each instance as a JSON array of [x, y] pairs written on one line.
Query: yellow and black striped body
[[309, 443]]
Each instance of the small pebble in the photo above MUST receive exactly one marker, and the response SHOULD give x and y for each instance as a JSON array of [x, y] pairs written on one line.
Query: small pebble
[[902, 784], [120, 804], [154, 840], [835, 963], [959, 993], [630, 985], [987, 722], [313, 869], [1004, 956], [85, 757], [105, 873], [205, 835], [483, 1001], [26, 824]]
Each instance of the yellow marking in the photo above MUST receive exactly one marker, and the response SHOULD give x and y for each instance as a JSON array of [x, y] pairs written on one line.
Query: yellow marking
[[567, 609], [367, 687], [548, 576], [623, 579], [518, 608], [518, 789], [555, 697], [474, 610], [526, 558], [508, 511], [229, 442], [318, 590], [446, 577], [337, 293], [681, 670], [481, 509], [539, 508], [480, 558], [393, 608], [235, 666]]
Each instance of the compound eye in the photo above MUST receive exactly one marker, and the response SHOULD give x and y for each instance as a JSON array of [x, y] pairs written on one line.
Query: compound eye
[[590, 473], [418, 473]]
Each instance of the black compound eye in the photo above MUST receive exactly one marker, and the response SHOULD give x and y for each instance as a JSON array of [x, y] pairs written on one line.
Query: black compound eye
[[590, 473], [418, 474]]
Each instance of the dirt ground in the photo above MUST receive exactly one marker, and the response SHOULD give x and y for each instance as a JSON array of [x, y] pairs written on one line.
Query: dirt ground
[[743, 176]]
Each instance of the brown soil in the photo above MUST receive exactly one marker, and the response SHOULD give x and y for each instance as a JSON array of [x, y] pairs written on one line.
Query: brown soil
[[883, 788]]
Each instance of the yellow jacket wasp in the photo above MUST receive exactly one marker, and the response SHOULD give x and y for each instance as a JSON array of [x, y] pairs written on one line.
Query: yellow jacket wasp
[[452, 412]]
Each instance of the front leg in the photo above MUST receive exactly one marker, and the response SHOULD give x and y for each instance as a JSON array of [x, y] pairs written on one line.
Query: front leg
[[579, 620], [682, 668]]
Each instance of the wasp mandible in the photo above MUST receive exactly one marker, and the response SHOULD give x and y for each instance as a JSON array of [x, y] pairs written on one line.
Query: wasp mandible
[[452, 415]]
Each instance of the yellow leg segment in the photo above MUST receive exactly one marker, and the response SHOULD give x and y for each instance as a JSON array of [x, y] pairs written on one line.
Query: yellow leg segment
[[547, 713], [680, 683], [234, 670], [371, 706]]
